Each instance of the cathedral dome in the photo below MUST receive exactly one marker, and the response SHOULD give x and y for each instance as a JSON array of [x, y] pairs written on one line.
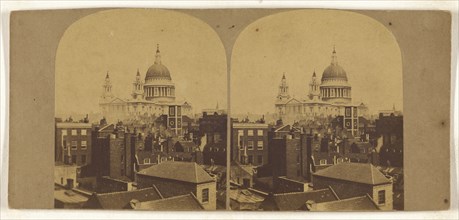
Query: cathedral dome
[[157, 70], [334, 71]]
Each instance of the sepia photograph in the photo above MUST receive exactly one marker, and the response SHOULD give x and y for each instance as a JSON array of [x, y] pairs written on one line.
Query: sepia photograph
[[140, 113], [229, 112], [317, 122]]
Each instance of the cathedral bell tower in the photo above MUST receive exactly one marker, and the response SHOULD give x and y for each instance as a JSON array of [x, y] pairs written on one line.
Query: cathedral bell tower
[[107, 94], [314, 88], [283, 90], [137, 89]]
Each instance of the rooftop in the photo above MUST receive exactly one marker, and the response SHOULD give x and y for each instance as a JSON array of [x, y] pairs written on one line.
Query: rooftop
[[176, 170], [364, 173], [363, 203], [186, 202], [69, 196], [250, 125], [246, 196], [297, 200], [120, 200], [73, 125]]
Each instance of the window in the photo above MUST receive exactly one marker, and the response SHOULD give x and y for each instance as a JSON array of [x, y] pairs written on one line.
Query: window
[[64, 132], [205, 195], [74, 159], [323, 162], [74, 132], [250, 159], [240, 134], [260, 159], [260, 132], [74, 145], [250, 133], [83, 159], [83, 132], [381, 197], [84, 145], [64, 143], [250, 145], [260, 145]]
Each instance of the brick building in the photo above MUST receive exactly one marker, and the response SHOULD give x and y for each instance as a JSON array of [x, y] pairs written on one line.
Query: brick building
[[350, 180], [114, 149], [213, 127], [390, 128], [73, 143], [290, 158], [249, 143]]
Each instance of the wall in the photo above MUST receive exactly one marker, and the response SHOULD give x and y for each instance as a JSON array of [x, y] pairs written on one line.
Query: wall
[[212, 186], [388, 205], [107, 185], [286, 185], [64, 172]]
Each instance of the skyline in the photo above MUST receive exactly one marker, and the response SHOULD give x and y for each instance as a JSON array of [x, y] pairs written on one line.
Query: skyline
[[268, 48], [123, 41]]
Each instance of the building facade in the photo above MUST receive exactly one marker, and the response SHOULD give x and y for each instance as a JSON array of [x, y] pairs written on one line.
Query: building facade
[[114, 148], [328, 97], [390, 128], [290, 158], [151, 96], [250, 143], [73, 143], [212, 129]]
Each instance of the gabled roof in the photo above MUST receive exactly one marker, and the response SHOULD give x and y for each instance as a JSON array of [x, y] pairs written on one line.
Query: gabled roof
[[285, 128], [186, 202], [362, 203], [364, 173], [237, 168], [108, 127], [189, 172], [297, 200], [120, 200], [117, 100], [292, 100], [246, 196]]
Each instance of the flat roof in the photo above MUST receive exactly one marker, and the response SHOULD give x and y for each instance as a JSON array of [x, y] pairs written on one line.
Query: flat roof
[[73, 125]]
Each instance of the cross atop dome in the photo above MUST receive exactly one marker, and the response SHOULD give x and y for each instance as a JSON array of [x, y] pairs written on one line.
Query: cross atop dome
[[334, 57], [158, 55]]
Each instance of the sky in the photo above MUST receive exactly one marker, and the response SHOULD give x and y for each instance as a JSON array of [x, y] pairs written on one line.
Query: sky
[[122, 41], [298, 42]]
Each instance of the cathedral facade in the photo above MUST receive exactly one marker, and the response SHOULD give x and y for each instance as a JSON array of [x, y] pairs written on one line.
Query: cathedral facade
[[150, 97], [331, 95]]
